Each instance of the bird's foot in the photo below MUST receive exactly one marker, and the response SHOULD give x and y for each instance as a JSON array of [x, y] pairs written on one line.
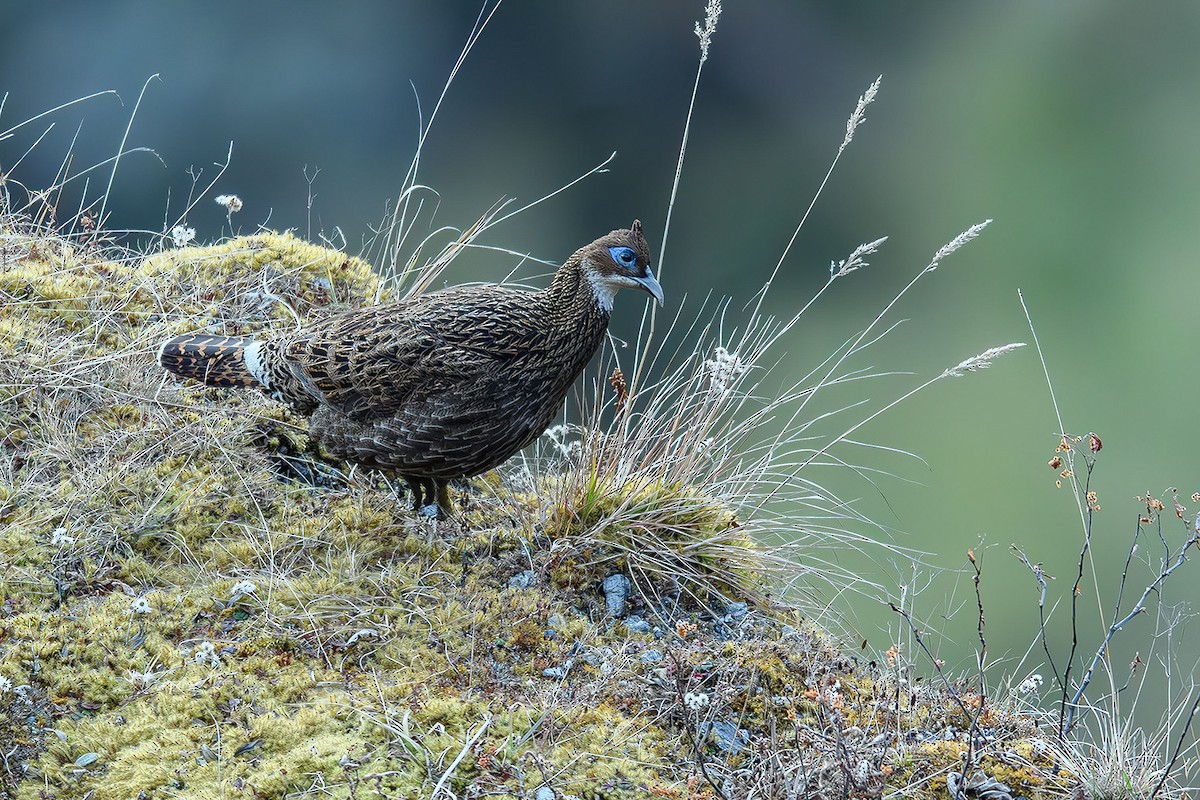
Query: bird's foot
[[431, 499]]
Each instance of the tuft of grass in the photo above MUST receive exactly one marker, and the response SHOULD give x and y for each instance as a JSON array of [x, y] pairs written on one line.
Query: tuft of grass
[[1116, 759], [666, 537]]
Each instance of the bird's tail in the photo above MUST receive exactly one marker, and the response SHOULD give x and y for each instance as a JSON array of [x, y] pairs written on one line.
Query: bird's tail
[[215, 360]]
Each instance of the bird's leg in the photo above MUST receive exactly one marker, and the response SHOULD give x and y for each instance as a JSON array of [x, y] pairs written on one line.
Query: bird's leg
[[422, 492], [445, 506]]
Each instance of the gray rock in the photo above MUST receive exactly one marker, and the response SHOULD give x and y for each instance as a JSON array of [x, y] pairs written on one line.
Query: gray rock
[[978, 785], [616, 592], [523, 579], [729, 737]]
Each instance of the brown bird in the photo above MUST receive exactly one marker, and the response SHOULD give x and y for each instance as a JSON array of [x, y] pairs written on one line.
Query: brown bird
[[440, 386]]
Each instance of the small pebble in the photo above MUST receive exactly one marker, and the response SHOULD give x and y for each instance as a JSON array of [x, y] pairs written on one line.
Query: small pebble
[[730, 738], [616, 591], [523, 579]]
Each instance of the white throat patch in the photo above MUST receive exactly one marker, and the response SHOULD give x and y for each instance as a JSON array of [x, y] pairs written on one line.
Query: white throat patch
[[603, 290]]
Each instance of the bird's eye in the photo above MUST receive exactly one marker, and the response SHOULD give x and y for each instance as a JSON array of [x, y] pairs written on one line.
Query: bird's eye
[[625, 256]]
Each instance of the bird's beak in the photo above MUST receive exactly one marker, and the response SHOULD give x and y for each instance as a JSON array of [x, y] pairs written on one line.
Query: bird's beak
[[651, 286]]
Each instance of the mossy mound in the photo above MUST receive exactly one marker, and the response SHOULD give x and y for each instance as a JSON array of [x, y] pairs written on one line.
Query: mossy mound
[[184, 613]]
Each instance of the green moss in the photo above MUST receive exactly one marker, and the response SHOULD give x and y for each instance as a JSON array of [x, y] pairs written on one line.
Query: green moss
[[283, 266]]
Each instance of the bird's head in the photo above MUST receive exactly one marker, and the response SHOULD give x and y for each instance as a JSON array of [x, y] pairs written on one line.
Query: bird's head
[[618, 260]]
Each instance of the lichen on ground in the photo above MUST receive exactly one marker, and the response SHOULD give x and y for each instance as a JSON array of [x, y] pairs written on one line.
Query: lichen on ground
[[196, 603]]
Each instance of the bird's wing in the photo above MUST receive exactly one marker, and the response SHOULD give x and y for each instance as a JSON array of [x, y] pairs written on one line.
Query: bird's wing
[[371, 363]]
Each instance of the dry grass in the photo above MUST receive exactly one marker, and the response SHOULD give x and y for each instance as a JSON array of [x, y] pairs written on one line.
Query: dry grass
[[201, 593]]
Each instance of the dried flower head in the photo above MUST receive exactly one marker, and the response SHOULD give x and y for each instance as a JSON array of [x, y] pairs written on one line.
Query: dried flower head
[[892, 654], [566, 448], [181, 235], [856, 259], [859, 115], [712, 12], [143, 679], [617, 382], [1030, 684], [723, 369], [232, 202], [957, 242], [60, 538], [981, 361], [241, 589], [206, 654]]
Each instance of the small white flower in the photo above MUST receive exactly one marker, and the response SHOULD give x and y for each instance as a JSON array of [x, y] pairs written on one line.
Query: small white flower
[[142, 679], [60, 538], [206, 653], [232, 202], [723, 369], [695, 700], [181, 235], [142, 606], [1030, 684], [5, 685], [241, 589], [558, 438]]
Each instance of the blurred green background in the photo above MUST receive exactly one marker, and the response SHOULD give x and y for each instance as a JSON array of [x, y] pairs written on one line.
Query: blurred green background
[[1071, 124]]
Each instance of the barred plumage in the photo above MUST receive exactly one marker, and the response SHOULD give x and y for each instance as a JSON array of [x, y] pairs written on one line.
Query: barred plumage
[[441, 386], [215, 360]]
